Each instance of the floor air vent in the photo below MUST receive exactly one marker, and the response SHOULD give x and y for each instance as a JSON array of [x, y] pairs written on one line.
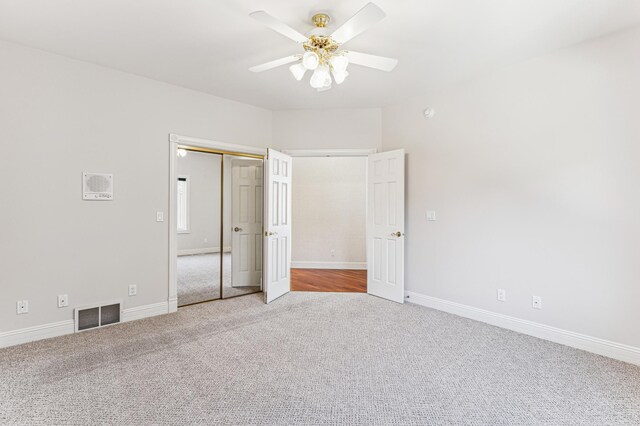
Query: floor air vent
[[89, 317]]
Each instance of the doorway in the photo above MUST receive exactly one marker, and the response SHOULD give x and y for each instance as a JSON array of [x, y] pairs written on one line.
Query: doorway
[[329, 224], [219, 211]]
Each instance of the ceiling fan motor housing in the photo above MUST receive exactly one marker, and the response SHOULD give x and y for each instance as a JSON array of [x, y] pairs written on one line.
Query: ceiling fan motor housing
[[320, 20]]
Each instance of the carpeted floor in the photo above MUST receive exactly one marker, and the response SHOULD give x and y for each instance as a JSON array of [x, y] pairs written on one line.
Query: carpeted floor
[[198, 278], [311, 358]]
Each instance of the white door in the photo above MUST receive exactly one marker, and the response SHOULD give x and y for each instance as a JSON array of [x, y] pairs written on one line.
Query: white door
[[385, 225], [247, 178], [277, 244]]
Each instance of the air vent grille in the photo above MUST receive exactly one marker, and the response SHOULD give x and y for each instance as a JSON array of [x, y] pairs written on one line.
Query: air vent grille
[[89, 317]]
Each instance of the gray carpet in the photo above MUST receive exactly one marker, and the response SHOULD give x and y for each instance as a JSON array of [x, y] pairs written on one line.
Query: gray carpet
[[311, 358], [198, 278]]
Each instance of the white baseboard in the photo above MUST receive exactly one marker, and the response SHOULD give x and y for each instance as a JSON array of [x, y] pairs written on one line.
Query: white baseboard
[[38, 332], [173, 305], [55, 329], [329, 265], [205, 250], [145, 311], [587, 343]]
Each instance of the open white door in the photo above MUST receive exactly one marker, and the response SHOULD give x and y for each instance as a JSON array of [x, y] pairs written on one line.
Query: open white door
[[246, 222], [385, 225], [277, 244]]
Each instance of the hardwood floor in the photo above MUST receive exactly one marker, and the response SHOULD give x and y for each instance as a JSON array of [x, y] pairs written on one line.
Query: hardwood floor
[[339, 280]]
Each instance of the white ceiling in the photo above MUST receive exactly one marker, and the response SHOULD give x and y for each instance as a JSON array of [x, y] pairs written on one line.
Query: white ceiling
[[208, 45]]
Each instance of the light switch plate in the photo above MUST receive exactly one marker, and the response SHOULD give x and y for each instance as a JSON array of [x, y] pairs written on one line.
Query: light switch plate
[[431, 215], [159, 216]]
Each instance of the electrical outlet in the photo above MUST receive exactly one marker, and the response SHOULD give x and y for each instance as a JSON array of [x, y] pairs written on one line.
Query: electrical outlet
[[63, 300], [536, 302], [502, 295], [333, 253], [22, 307], [206, 240], [133, 290]]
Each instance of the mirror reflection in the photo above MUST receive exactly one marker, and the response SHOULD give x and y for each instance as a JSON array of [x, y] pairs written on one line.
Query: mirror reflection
[[199, 216], [242, 225]]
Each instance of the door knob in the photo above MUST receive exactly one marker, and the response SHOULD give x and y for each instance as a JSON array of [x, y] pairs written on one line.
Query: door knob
[[237, 229], [268, 234], [397, 234]]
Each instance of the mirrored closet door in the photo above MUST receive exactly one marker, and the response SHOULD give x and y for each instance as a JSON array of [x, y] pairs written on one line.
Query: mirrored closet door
[[219, 225]]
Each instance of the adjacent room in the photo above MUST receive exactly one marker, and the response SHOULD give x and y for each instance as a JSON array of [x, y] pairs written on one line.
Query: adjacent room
[[329, 223], [419, 212]]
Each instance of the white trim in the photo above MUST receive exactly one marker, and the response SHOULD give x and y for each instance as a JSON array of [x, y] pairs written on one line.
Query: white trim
[[205, 250], [584, 342], [173, 226], [173, 305], [38, 332], [145, 311], [328, 265], [61, 328], [222, 146], [329, 152]]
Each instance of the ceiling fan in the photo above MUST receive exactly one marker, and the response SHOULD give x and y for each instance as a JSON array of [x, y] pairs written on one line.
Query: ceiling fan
[[322, 51]]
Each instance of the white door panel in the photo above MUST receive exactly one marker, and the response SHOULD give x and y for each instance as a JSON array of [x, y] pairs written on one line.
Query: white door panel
[[385, 225], [246, 219], [277, 256]]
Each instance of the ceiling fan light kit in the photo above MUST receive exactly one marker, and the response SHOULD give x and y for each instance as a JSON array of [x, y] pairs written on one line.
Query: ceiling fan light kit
[[310, 60], [298, 70], [322, 53]]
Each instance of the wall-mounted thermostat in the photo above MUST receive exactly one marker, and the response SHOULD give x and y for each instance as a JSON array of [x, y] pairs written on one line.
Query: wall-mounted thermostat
[[97, 187]]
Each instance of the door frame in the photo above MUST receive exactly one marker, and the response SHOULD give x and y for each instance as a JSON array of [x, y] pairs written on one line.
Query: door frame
[[358, 152], [211, 146]]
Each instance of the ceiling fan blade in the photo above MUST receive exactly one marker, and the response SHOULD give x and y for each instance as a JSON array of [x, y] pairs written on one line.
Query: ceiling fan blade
[[278, 26], [372, 61], [274, 64], [365, 18]]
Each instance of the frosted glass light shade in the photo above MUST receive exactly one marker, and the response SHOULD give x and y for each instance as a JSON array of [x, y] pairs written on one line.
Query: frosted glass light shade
[[340, 76], [310, 60], [298, 70], [339, 63], [321, 77]]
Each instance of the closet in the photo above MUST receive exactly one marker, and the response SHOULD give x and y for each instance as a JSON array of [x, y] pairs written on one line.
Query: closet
[[219, 216]]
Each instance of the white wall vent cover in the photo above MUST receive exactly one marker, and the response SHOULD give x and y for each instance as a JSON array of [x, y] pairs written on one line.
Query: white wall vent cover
[[88, 317], [97, 186]]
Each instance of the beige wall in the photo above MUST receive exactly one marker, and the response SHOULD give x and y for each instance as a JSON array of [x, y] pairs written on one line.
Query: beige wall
[[204, 171], [329, 212], [60, 117], [327, 129], [533, 171]]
